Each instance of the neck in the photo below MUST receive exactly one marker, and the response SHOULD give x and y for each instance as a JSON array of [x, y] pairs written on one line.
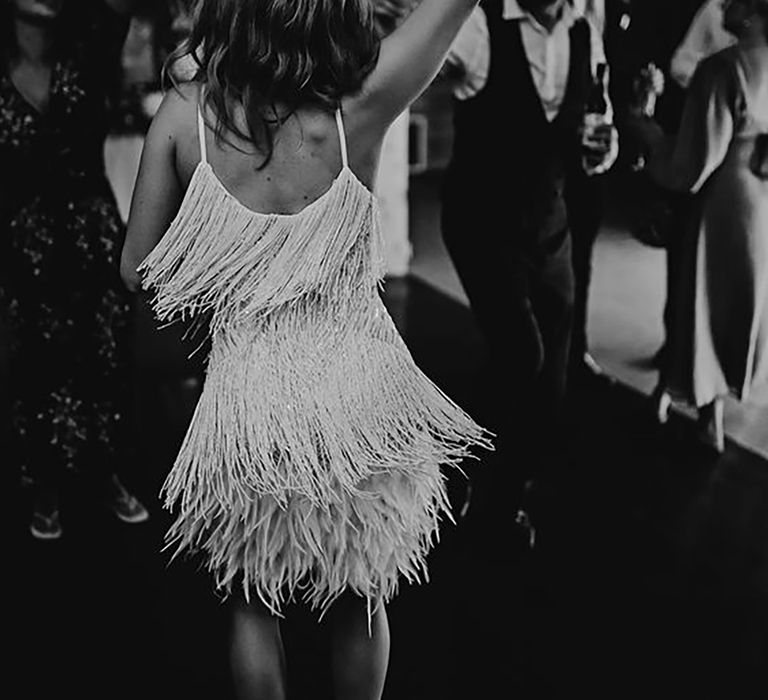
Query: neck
[[33, 40], [547, 16]]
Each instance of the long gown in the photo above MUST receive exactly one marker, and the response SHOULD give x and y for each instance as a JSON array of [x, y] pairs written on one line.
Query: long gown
[[60, 240], [719, 345], [312, 462]]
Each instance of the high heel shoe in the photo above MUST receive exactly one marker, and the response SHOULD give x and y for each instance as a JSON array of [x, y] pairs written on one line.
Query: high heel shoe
[[122, 503], [46, 526], [662, 403], [711, 427]]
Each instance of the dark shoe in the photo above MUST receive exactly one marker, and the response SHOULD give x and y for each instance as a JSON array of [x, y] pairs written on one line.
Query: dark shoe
[[125, 505], [128, 508], [525, 518], [592, 365], [46, 526], [662, 404], [586, 372], [710, 426], [524, 523]]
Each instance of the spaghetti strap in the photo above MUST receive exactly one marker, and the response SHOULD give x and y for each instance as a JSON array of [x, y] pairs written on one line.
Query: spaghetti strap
[[201, 130], [342, 137]]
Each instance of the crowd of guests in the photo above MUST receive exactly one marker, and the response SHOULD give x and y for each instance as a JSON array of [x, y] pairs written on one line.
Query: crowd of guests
[[536, 134], [70, 379], [526, 267]]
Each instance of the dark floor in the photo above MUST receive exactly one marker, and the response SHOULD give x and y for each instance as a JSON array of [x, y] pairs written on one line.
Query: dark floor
[[651, 579]]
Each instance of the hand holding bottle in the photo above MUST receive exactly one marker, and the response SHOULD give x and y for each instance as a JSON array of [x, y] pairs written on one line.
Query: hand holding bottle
[[599, 138]]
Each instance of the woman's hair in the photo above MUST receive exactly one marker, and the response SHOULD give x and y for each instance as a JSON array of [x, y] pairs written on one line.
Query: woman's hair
[[272, 55]]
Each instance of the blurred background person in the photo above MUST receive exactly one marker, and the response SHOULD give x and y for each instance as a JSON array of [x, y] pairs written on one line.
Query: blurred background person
[[523, 74], [585, 202], [719, 339], [61, 234], [705, 36]]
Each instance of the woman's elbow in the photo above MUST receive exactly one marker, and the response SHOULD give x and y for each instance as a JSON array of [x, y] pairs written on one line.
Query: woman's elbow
[[131, 278]]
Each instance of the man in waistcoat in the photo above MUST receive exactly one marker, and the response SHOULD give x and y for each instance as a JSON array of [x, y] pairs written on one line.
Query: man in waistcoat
[[523, 70]]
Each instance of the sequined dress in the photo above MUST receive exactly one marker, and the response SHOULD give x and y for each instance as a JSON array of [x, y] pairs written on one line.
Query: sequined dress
[[60, 236], [312, 463]]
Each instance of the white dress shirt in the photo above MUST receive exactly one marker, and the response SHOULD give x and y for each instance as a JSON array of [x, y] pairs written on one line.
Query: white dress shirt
[[704, 37], [594, 11], [548, 52]]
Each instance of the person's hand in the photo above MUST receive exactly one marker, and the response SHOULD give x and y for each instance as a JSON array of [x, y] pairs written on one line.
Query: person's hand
[[646, 89], [452, 72], [600, 147]]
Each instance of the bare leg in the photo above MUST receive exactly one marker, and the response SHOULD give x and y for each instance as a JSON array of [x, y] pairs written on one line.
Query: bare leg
[[359, 657], [257, 658]]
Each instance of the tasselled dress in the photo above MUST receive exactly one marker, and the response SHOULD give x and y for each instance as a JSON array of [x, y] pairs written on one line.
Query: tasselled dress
[[312, 463]]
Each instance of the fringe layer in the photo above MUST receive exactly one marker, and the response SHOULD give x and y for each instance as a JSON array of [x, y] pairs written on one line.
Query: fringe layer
[[280, 552], [313, 459], [286, 443], [222, 258]]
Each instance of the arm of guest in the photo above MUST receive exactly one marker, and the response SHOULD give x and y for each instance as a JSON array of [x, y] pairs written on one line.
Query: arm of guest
[[684, 164], [410, 58], [704, 37], [610, 147], [158, 192], [468, 60]]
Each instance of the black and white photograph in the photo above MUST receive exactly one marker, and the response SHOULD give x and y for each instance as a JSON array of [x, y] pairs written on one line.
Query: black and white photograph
[[384, 349]]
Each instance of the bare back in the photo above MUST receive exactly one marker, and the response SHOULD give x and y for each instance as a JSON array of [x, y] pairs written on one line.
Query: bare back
[[305, 162], [307, 151]]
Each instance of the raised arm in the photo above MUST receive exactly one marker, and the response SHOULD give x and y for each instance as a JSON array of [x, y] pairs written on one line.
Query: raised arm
[[704, 37], [411, 56]]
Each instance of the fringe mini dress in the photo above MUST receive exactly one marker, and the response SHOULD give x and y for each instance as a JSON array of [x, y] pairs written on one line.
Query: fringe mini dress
[[312, 463]]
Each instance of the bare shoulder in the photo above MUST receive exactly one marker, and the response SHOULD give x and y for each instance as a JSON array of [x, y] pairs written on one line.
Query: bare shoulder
[[178, 104], [175, 127]]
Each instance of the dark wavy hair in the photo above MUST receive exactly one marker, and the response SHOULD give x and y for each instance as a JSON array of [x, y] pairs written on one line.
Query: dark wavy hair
[[273, 56]]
